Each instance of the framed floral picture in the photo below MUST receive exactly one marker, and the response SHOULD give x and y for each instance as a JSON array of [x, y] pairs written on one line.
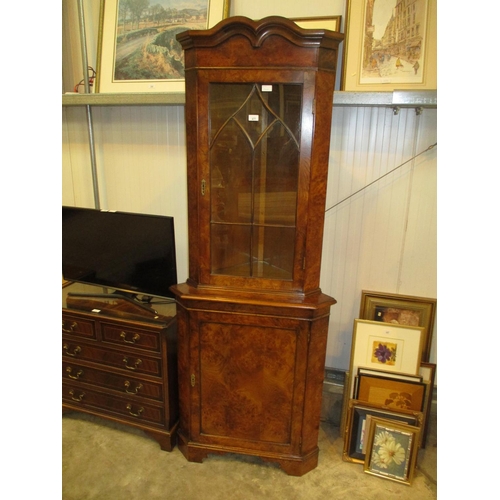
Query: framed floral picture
[[137, 48], [358, 418], [391, 451], [384, 346], [394, 394]]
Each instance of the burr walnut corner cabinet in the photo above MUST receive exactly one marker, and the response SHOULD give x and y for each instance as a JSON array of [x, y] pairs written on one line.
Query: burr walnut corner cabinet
[[252, 320]]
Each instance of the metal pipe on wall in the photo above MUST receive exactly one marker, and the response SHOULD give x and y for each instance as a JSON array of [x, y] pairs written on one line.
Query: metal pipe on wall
[[90, 124]]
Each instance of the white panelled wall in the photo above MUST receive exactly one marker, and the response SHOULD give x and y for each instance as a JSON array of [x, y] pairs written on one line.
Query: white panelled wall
[[141, 164], [381, 239]]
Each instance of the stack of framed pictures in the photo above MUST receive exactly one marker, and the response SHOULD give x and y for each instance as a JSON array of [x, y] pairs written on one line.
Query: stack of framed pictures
[[390, 384]]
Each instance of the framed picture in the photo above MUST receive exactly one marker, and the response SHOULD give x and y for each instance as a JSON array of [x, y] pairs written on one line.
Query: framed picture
[[331, 23], [358, 417], [390, 45], [401, 310], [394, 394], [384, 346], [428, 372], [390, 375], [391, 450], [138, 50]]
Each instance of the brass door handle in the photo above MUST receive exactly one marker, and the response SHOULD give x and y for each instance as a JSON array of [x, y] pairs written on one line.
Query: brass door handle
[[71, 328], [138, 387], [133, 340], [78, 398], [136, 364], [76, 350], [139, 411], [74, 377]]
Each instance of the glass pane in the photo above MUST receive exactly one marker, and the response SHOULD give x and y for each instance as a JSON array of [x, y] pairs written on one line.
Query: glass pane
[[231, 178], [273, 252], [230, 249], [276, 168], [254, 168]]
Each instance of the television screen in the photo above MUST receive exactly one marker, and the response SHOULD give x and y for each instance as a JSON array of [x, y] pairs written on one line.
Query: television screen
[[133, 253]]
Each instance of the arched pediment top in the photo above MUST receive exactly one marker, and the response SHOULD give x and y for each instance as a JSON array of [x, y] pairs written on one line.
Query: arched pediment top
[[258, 31]]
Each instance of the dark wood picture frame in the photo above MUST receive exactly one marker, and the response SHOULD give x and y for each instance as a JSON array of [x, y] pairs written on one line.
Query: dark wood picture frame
[[355, 429], [394, 394], [403, 310]]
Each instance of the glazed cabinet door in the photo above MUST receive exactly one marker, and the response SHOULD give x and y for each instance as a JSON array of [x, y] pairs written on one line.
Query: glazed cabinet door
[[247, 381], [254, 178]]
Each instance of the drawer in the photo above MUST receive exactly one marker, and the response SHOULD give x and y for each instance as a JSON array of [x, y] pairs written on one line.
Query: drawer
[[79, 327], [127, 385], [109, 404], [130, 337], [103, 355]]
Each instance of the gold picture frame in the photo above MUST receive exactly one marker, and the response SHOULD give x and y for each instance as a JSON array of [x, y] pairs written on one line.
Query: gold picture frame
[[391, 451], [146, 57], [394, 394], [384, 346], [358, 415], [428, 372], [375, 44], [331, 23], [401, 309]]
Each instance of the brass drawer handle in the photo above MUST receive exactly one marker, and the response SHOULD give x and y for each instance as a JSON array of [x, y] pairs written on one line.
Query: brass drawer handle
[[78, 398], [74, 377], [135, 391], [136, 364], [139, 411], [71, 328], [134, 339], [75, 351]]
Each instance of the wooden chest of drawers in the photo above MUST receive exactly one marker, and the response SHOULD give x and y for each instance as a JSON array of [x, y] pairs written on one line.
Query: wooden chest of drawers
[[123, 369]]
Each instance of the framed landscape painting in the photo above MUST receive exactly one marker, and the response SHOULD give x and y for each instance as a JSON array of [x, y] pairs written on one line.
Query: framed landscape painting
[[138, 50]]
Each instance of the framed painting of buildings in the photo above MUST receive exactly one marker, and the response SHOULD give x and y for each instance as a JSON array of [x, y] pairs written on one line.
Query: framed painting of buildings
[[390, 45]]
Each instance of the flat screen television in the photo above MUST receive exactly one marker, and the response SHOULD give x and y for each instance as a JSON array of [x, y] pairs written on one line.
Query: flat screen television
[[127, 252]]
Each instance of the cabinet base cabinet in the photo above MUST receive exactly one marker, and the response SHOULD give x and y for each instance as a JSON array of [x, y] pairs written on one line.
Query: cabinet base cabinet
[[250, 376], [293, 466]]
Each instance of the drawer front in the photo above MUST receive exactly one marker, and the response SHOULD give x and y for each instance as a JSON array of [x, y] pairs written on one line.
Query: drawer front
[[72, 349], [127, 385], [109, 404], [79, 327], [130, 337]]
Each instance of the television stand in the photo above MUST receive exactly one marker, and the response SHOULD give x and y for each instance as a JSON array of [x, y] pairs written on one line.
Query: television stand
[[119, 361]]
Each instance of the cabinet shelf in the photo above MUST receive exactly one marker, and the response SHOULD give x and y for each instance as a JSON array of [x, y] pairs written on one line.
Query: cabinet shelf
[[401, 98]]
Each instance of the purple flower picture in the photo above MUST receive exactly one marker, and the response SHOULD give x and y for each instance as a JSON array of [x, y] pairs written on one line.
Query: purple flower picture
[[384, 353]]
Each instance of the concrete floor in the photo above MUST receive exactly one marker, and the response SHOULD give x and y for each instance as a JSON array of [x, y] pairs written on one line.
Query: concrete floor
[[107, 461]]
